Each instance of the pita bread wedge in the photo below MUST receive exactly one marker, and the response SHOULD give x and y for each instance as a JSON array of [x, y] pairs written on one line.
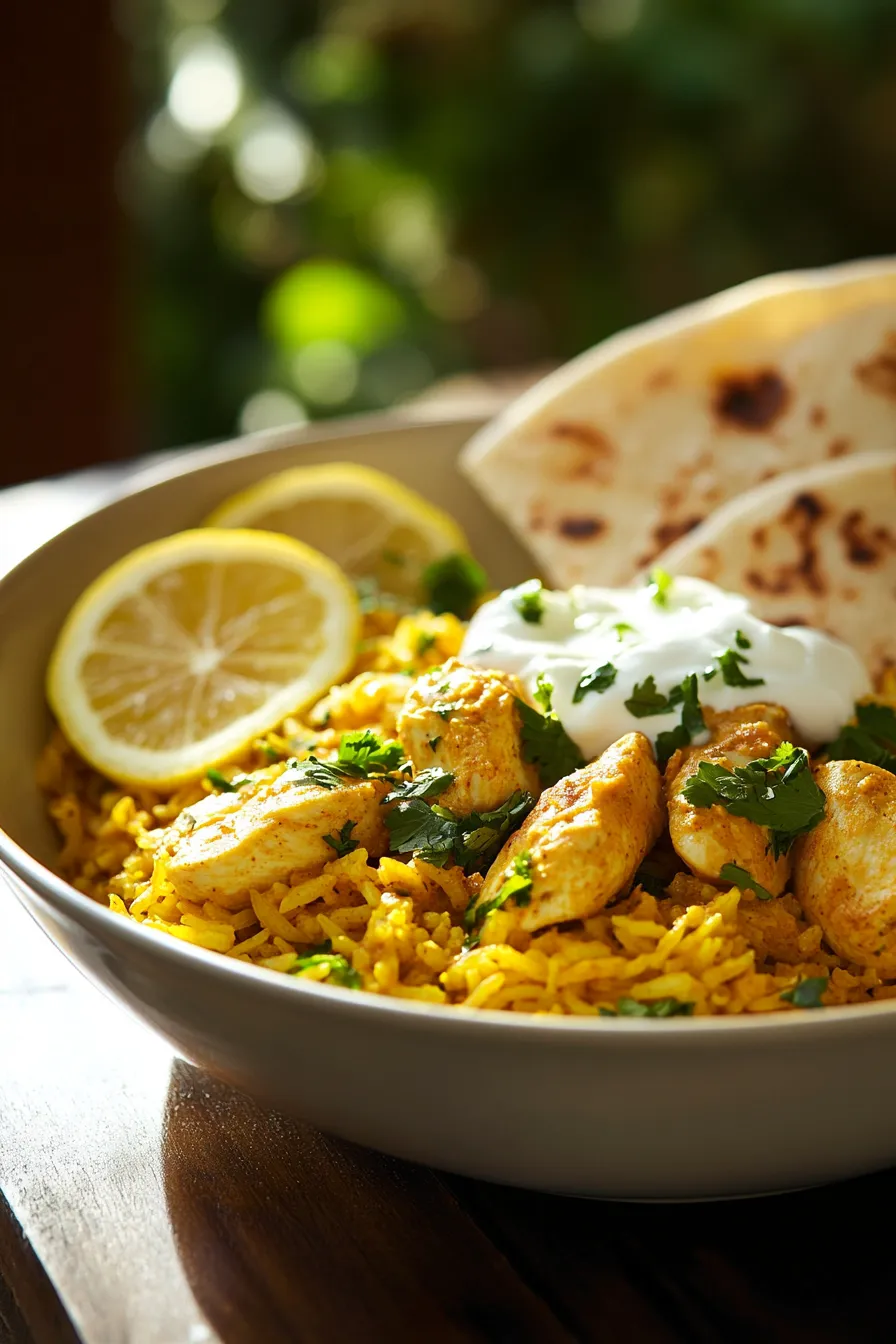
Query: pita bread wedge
[[814, 547], [606, 462]]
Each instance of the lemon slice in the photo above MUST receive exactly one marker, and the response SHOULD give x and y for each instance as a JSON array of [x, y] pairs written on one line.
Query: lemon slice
[[187, 648], [373, 527]]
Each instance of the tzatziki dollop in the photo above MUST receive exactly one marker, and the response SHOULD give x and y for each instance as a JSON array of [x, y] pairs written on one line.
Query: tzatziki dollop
[[684, 626]]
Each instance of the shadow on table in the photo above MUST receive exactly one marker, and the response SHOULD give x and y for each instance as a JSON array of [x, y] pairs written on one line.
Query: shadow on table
[[286, 1234]]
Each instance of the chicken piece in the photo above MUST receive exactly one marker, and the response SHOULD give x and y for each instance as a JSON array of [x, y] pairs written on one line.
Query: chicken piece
[[586, 836], [845, 869], [707, 838], [466, 721], [260, 834]]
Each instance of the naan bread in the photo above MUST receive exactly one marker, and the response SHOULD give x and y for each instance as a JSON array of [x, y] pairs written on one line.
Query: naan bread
[[814, 547], [609, 460]]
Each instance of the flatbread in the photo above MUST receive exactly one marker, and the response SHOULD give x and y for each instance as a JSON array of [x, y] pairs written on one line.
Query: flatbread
[[814, 547], [609, 460]]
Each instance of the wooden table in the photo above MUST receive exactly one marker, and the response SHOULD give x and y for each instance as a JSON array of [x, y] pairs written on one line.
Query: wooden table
[[146, 1203]]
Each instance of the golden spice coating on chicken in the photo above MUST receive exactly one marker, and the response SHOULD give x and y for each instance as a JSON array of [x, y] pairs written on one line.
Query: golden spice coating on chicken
[[845, 869], [264, 831], [707, 838], [466, 720], [586, 836]]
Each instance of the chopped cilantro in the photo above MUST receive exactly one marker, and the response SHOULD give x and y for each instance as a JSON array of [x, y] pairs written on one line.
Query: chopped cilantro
[[660, 583], [645, 700], [426, 784], [871, 739], [730, 663], [425, 641], [622, 629], [439, 836], [627, 1007], [340, 970], [692, 721], [364, 753], [807, 993], [517, 888], [739, 877], [546, 743], [361, 755], [529, 601], [225, 785], [343, 842], [598, 679], [453, 584], [777, 792], [741, 640]]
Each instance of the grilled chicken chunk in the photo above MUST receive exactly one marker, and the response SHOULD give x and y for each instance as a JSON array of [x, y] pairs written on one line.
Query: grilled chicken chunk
[[707, 838], [845, 869], [466, 721], [264, 831], [586, 836]]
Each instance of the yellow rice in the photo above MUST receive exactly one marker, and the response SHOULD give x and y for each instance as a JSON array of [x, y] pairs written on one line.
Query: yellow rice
[[399, 924]]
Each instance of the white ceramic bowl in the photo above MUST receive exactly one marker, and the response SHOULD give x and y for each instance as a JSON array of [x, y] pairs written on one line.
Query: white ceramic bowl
[[627, 1108]]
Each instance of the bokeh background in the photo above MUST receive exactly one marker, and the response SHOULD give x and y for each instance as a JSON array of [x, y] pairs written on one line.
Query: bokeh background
[[320, 209]]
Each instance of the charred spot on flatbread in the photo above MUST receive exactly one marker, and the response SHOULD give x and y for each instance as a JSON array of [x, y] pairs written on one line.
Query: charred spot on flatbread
[[801, 519], [582, 528], [839, 447], [751, 401], [878, 373], [665, 533], [818, 416], [584, 452], [864, 544]]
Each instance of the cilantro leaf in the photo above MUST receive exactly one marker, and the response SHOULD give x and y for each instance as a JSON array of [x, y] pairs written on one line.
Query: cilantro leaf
[[453, 584], [645, 700], [439, 836], [361, 755], [481, 834], [546, 743], [730, 661], [627, 1007], [872, 739], [225, 785], [622, 629], [777, 792], [426, 784], [807, 993], [517, 887], [416, 828], [660, 583], [739, 877], [341, 972], [741, 640], [692, 721], [343, 842], [425, 641], [598, 679], [529, 601]]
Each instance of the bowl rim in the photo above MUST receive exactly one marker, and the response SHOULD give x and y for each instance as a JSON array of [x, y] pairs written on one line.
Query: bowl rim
[[48, 886]]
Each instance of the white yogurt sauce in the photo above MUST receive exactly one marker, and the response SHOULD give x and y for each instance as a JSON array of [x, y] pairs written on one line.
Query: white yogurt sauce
[[816, 678]]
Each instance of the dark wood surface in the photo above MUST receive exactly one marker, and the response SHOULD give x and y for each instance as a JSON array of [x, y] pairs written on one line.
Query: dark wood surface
[[145, 1203]]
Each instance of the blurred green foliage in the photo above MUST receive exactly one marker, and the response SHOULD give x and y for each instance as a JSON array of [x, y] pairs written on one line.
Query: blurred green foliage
[[336, 202]]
